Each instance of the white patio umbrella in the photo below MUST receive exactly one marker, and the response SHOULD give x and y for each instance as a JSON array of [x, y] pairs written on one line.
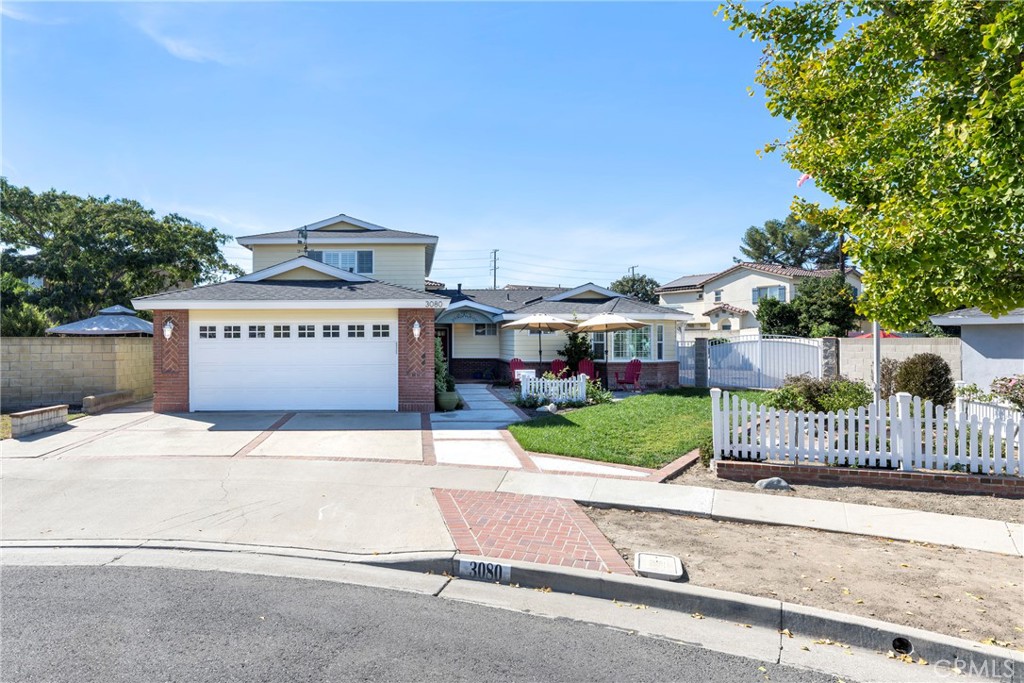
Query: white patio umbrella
[[609, 322], [541, 322]]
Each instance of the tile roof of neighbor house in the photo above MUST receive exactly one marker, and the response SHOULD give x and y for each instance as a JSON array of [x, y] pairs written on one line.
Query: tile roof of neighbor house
[[293, 290], [533, 300], [697, 281], [433, 285], [728, 308]]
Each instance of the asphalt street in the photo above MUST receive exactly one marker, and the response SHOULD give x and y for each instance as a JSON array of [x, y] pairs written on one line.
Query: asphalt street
[[141, 625]]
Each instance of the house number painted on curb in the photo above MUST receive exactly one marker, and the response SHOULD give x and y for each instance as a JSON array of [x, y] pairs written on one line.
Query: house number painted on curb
[[485, 571]]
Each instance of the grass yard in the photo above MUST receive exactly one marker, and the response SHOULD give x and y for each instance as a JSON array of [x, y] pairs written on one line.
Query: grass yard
[[649, 430]]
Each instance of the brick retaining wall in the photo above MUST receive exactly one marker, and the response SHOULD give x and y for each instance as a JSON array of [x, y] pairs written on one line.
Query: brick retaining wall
[[652, 375], [942, 482], [40, 371]]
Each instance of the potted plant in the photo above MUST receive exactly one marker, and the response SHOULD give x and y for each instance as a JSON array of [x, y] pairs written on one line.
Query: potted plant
[[444, 383]]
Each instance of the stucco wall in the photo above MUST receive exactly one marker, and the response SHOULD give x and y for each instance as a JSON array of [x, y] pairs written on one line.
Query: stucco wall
[[38, 371], [991, 351], [856, 355]]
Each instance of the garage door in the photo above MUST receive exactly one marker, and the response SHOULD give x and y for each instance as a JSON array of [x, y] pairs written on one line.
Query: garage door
[[268, 365]]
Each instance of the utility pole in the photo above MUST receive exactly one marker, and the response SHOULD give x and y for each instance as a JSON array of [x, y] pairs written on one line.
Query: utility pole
[[494, 268], [632, 271]]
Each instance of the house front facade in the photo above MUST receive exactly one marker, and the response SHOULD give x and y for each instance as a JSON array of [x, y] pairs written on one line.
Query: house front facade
[[728, 300], [337, 315], [478, 345]]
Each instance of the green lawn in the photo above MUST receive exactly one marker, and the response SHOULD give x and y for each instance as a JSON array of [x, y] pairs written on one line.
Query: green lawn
[[649, 430]]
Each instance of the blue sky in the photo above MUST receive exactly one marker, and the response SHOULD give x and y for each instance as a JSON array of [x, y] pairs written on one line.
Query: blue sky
[[578, 139]]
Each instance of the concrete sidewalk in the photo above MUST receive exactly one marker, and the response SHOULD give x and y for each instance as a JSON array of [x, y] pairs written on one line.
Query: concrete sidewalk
[[368, 507]]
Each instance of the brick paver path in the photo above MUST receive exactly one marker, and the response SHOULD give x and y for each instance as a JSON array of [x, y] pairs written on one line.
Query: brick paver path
[[510, 526]]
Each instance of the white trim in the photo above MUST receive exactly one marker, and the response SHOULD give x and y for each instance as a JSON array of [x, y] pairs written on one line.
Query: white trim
[[466, 303], [336, 238], [589, 287], [270, 305], [952, 319], [303, 262], [342, 218], [639, 317]]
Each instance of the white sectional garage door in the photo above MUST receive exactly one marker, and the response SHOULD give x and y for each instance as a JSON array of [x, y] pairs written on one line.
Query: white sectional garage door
[[267, 365]]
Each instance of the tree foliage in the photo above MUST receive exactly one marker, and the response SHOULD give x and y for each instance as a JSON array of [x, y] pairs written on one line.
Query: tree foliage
[[18, 317], [793, 243], [640, 286], [911, 115], [822, 307], [94, 252], [577, 347]]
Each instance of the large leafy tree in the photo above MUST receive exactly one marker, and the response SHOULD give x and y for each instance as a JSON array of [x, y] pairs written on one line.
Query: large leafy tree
[[792, 242], [822, 307], [93, 252], [911, 115], [642, 287]]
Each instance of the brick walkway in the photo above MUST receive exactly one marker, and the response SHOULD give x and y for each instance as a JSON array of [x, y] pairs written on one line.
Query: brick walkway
[[510, 526]]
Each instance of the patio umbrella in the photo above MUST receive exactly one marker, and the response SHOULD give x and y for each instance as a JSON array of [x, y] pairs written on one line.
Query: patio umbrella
[[609, 322], [541, 322]]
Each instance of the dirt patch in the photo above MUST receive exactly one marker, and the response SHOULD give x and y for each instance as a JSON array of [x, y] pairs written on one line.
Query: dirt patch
[[986, 507], [962, 593]]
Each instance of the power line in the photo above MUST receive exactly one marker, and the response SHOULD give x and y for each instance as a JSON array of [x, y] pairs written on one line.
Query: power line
[[494, 267]]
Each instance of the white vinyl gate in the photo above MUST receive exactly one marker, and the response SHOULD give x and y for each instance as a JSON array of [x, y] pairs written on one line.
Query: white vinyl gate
[[754, 362]]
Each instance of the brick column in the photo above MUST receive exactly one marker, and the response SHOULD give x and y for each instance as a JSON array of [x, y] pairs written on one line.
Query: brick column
[[170, 363], [829, 358], [416, 361], [700, 362]]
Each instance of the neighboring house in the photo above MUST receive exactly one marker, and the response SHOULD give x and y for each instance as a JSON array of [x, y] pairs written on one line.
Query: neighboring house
[[337, 315], [728, 300], [348, 326], [479, 348], [990, 347]]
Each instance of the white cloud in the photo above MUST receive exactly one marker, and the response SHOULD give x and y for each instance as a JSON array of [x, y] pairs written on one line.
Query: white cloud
[[182, 48], [11, 12]]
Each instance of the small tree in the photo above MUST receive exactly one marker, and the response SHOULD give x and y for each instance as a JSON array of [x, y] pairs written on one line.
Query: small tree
[[577, 347], [443, 380], [792, 242], [640, 286], [777, 317], [825, 306]]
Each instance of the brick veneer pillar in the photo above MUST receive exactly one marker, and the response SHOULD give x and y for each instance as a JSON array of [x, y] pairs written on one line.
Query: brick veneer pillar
[[170, 363], [416, 361]]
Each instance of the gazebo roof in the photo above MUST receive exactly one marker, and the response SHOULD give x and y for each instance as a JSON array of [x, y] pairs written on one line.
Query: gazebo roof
[[113, 321]]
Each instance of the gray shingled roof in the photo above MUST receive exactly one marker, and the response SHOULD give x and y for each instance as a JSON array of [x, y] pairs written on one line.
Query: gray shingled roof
[[293, 290], [327, 235], [530, 301]]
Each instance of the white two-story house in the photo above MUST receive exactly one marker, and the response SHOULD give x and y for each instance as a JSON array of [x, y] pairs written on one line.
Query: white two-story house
[[728, 300]]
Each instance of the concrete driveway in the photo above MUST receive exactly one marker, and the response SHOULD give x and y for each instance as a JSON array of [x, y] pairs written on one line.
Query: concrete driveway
[[137, 431]]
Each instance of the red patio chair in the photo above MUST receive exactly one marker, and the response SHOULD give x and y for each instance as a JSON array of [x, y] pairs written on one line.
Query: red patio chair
[[631, 377], [513, 365], [557, 367], [586, 367]]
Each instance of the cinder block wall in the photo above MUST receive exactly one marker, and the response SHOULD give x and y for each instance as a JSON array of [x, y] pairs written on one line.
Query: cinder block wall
[[856, 355], [40, 371]]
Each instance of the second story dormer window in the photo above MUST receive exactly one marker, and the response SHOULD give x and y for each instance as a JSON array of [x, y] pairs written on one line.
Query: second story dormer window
[[354, 261]]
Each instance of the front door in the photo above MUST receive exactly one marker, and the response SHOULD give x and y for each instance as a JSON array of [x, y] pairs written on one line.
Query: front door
[[444, 334]]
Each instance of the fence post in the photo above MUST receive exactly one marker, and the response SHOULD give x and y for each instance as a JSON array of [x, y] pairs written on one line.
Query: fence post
[[907, 439], [716, 422], [700, 362], [829, 358]]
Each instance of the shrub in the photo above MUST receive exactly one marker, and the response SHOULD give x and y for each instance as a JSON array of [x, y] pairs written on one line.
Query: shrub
[[596, 393], [818, 395], [1010, 389], [577, 347], [928, 376], [443, 380], [707, 451]]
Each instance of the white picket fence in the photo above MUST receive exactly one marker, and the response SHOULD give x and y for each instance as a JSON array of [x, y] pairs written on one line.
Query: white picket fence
[[569, 390], [993, 411], [904, 433]]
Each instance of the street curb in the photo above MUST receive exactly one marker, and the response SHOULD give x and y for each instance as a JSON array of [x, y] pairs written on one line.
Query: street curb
[[847, 629]]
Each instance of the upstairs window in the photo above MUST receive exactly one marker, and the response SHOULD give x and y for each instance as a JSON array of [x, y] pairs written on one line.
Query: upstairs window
[[354, 261], [718, 296], [772, 292]]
